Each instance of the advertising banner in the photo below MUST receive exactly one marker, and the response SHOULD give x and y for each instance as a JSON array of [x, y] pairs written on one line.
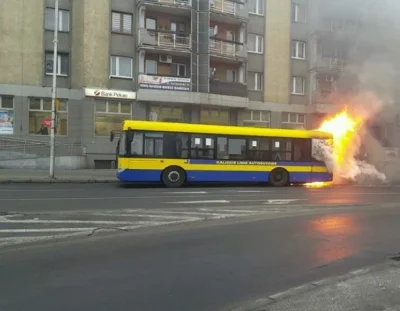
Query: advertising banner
[[164, 83], [6, 122]]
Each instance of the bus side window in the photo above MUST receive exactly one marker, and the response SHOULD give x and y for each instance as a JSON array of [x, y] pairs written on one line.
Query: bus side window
[[136, 144], [258, 149], [202, 147], [302, 150], [281, 149]]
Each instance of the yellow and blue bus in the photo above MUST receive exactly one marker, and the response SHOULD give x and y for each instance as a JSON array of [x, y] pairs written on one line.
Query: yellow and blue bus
[[179, 153]]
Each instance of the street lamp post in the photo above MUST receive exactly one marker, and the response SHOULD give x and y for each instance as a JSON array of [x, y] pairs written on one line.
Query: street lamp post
[[54, 93]]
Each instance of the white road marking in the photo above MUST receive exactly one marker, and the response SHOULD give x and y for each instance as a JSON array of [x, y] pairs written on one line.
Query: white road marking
[[252, 191], [187, 192], [142, 215], [200, 202], [39, 190], [46, 230], [95, 222], [228, 210], [284, 201]]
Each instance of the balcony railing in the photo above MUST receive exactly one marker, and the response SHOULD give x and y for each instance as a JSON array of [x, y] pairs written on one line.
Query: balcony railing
[[165, 40], [227, 49], [229, 7], [228, 88], [170, 2], [331, 63]]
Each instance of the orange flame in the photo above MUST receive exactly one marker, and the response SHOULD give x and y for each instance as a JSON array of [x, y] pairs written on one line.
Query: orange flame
[[344, 128]]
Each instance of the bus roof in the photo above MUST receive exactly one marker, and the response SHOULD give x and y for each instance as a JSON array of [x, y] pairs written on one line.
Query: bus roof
[[220, 129]]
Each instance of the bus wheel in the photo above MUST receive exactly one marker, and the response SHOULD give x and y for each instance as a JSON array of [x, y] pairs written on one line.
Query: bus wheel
[[173, 177], [279, 177]]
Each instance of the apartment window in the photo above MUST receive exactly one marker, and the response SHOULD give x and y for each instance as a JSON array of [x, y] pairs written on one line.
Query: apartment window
[[298, 50], [109, 116], [299, 13], [151, 66], [121, 23], [255, 43], [151, 23], [214, 116], [256, 6], [121, 67], [40, 116], [6, 115], [231, 76], [256, 118], [166, 113], [293, 120], [298, 85], [62, 64], [255, 81], [63, 20], [178, 70]]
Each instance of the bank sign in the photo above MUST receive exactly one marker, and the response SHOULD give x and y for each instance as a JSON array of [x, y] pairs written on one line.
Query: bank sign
[[112, 94]]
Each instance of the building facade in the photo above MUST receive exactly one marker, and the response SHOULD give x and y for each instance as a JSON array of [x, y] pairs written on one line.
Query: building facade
[[233, 62]]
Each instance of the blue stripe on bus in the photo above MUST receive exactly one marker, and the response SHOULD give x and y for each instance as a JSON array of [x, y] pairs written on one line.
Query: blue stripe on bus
[[276, 163], [220, 176]]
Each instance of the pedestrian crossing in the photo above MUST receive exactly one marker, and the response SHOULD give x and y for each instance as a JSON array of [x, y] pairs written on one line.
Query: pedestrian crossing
[[21, 228]]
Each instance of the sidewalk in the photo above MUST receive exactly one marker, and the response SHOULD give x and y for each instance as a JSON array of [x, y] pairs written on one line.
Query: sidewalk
[[61, 176], [371, 289]]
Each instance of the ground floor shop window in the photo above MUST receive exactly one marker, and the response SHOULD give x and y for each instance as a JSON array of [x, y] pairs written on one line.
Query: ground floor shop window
[[40, 116], [256, 118], [293, 120], [214, 116], [166, 114], [110, 115], [6, 115]]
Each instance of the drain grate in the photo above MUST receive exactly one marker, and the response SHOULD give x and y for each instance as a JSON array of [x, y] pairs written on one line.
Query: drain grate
[[396, 258]]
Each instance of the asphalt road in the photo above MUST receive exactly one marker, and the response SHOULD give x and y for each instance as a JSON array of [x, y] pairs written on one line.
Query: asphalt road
[[259, 241]]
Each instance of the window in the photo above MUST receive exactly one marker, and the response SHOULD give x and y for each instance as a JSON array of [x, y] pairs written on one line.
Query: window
[[231, 76], [255, 43], [121, 23], [302, 150], [281, 149], [166, 113], [298, 50], [40, 116], [298, 85], [293, 120], [299, 13], [231, 148], [151, 23], [6, 114], [178, 70], [255, 81], [256, 6], [259, 149], [121, 67], [63, 20], [256, 118], [151, 67], [214, 116], [62, 64], [109, 116], [202, 147]]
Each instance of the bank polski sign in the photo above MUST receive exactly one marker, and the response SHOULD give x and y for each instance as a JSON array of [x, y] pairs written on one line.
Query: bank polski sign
[[114, 94]]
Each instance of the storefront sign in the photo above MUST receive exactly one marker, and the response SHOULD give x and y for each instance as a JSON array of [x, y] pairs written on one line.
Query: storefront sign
[[164, 83], [6, 122], [114, 94]]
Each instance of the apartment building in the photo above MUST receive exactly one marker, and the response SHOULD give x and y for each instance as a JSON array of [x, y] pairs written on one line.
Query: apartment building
[[236, 62]]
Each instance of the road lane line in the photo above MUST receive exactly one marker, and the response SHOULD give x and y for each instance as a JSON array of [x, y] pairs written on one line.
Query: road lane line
[[187, 192], [96, 222], [40, 190], [47, 230], [251, 191], [141, 215], [229, 211], [199, 202]]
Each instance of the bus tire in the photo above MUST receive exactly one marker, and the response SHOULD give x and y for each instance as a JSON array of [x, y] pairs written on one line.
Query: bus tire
[[173, 177], [279, 177]]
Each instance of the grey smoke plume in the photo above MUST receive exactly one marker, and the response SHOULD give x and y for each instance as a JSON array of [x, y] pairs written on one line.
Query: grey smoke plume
[[369, 84]]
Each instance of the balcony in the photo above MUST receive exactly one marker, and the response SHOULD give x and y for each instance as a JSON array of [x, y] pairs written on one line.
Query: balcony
[[328, 64], [164, 41], [228, 88], [226, 49], [177, 3], [166, 83], [229, 9]]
